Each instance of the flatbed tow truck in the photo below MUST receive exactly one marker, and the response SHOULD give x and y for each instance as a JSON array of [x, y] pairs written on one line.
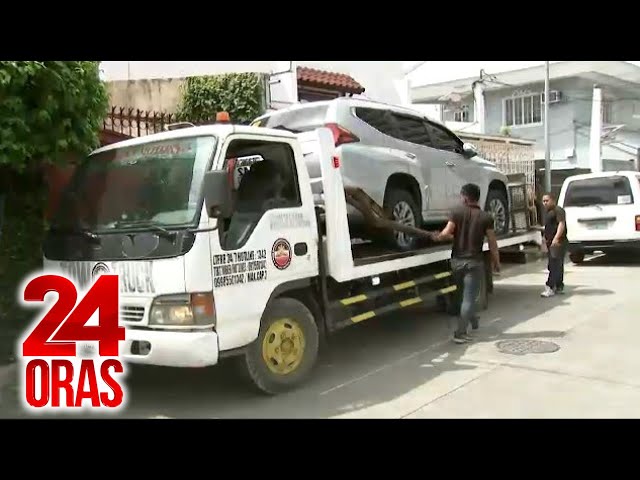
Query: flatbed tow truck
[[255, 269]]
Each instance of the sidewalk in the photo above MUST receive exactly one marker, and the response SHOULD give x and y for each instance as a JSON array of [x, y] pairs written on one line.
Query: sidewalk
[[591, 371]]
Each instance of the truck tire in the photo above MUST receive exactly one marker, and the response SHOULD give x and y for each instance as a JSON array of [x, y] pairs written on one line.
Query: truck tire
[[498, 206], [286, 350], [404, 209], [576, 257]]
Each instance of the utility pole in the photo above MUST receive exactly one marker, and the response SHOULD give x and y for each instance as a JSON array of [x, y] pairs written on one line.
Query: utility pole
[[479, 108], [595, 153], [547, 148]]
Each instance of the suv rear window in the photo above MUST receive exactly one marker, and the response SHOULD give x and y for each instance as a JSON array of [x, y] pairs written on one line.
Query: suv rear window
[[297, 120], [614, 190], [377, 118]]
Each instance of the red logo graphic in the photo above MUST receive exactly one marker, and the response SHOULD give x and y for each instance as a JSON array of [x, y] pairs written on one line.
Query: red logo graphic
[[57, 365], [281, 254]]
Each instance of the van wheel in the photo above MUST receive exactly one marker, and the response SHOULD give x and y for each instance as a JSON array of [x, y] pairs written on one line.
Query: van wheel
[[286, 349], [404, 209], [576, 257], [498, 206]]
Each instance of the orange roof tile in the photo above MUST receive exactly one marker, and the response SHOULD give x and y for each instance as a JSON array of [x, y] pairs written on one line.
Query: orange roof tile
[[323, 79]]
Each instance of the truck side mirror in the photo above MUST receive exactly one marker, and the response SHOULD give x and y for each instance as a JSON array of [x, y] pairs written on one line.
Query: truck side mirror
[[217, 194]]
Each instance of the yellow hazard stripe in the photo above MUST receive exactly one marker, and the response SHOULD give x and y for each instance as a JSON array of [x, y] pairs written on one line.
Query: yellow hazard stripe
[[352, 300], [397, 287], [438, 276], [404, 303], [410, 301], [448, 289], [363, 316], [402, 286]]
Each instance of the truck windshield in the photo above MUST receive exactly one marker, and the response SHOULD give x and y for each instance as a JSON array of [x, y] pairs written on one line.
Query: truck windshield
[[151, 185]]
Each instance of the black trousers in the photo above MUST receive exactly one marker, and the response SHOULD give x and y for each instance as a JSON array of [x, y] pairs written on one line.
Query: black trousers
[[555, 265]]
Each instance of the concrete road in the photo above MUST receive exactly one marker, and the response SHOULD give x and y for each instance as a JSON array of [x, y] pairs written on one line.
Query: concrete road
[[405, 366]]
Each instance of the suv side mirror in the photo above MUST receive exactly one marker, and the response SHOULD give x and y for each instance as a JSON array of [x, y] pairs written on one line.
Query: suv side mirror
[[217, 194], [469, 150]]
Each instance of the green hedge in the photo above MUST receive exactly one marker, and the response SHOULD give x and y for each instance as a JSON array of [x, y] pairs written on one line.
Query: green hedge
[[20, 249], [240, 94], [48, 110]]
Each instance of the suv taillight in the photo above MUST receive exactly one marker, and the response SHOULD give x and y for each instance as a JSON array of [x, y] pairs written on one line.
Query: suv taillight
[[341, 135], [637, 223]]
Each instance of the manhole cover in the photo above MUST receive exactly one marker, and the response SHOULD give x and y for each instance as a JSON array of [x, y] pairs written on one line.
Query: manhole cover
[[522, 347]]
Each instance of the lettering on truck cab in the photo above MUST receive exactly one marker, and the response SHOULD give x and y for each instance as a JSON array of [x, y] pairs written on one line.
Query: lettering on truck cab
[[239, 267]]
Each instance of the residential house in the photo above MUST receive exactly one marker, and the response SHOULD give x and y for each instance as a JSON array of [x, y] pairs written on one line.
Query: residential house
[[512, 103]]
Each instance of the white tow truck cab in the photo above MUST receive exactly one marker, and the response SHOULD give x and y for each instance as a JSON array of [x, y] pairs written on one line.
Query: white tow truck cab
[[221, 250], [603, 213]]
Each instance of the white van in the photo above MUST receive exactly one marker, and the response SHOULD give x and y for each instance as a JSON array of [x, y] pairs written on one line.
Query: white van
[[603, 213]]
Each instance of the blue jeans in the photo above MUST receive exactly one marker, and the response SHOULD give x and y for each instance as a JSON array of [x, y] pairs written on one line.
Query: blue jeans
[[468, 274]]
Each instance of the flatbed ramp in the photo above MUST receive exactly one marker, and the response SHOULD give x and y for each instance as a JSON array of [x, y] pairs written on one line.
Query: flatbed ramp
[[365, 260], [369, 253]]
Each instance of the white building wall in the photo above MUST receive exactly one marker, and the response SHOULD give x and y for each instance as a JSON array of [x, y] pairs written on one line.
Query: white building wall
[[383, 81]]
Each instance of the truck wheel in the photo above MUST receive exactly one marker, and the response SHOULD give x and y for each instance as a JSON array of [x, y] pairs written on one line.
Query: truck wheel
[[576, 257], [498, 206], [404, 210], [286, 349]]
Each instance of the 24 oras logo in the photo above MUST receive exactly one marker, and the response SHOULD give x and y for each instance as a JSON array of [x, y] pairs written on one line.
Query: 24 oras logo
[[55, 376]]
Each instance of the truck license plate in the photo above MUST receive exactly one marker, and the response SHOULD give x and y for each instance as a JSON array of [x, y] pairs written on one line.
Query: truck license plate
[[598, 225]]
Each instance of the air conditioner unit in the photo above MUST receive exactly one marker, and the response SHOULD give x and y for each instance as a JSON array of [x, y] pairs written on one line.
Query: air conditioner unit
[[554, 96]]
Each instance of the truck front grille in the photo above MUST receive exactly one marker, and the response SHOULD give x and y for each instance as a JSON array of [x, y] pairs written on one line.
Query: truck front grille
[[131, 314]]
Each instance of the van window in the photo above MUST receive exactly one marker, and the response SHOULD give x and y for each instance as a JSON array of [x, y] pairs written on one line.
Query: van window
[[615, 190], [297, 120]]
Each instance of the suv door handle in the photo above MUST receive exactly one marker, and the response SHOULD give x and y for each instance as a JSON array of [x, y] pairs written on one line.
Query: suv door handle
[[412, 156], [450, 164]]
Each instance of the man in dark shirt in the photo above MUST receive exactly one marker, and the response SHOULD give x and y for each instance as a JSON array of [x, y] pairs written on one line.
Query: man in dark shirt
[[468, 226], [555, 235]]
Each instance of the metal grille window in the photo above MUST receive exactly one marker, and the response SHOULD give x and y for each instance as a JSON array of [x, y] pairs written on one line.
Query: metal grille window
[[523, 110], [461, 114]]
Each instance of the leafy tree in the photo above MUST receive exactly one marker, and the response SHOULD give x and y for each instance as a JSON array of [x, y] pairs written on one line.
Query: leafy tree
[[49, 109], [239, 94]]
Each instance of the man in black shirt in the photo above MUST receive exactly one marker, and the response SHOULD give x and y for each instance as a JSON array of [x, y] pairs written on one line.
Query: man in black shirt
[[468, 226], [555, 235]]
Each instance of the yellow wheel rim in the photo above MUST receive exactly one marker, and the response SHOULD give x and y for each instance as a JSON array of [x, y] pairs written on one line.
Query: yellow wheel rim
[[283, 346]]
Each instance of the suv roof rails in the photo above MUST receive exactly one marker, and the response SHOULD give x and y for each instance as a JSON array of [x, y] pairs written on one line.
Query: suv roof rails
[[386, 104]]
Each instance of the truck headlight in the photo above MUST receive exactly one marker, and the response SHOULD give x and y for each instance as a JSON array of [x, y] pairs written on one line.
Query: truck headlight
[[197, 309]]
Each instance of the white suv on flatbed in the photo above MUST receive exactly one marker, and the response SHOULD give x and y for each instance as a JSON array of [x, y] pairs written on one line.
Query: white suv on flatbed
[[410, 165]]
